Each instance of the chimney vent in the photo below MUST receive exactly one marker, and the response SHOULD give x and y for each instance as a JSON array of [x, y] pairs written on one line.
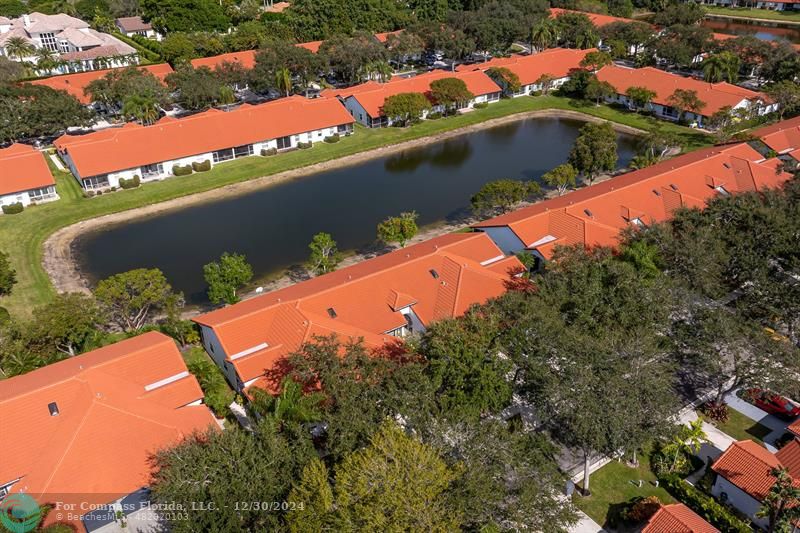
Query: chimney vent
[[53, 408]]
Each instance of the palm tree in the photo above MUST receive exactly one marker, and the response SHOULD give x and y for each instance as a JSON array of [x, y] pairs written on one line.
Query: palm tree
[[226, 96], [283, 81], [543, 34], [722, 66], [19, 47], [46, 60], [292, 406], [141, 108], [380, 70]]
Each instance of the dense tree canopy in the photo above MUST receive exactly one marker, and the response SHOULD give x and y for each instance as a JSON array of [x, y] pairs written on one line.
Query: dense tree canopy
[[185, 15], [35, 110]]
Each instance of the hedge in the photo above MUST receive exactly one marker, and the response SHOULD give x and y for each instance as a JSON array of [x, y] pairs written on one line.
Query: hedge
[[218, 396], [269, 151], [141, 50], [303, 146], [332, 138], [179, 170], [481, 105], [129, 183], [13, 209], [434, 116], [704, 505], [202, 166]]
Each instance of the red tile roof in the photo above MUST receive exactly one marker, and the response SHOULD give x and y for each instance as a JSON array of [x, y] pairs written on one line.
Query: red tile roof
[[116, 406], [597, 19], [362, 300], [794, 427], [246, 59], [312, 46], [677, 518], [596, 214], [22, 168], [783, 137], [134, 145], [557, 62], [715, 95], [75, 84], [747, 465], [384, 37], [789, 456], [372, 95], [278, 7]]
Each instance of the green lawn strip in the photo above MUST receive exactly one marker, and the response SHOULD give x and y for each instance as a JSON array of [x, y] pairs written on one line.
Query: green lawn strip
[[22, 235], [764, 14], [741, 427], [614, 485]]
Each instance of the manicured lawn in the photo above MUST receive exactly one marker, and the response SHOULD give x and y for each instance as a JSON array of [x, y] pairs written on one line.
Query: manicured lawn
[[613, 485], [741, 427], [752, 13], [22, 235]]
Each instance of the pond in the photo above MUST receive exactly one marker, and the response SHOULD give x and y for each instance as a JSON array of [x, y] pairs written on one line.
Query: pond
[[762, 29], [273, 226]]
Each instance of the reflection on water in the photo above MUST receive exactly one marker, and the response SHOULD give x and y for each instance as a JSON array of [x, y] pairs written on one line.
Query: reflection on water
[[273, 226], [763, 30]]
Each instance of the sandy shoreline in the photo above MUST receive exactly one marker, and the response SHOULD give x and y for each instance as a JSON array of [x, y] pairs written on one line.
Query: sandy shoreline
[[59, 261]]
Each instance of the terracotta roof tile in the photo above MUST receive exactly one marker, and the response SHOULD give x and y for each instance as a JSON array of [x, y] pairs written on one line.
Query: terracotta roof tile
[[747, 465], [783, 137], [22, 168], [557, 62], [75, 84], [597, 19], [789, 456], [677, 518], [794, 427], [129, 24]]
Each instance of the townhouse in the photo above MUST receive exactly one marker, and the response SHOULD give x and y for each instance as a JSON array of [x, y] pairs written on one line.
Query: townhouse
[[378, 301], [677, 518], [595, 215], [782, 137], [556, 63], [80, 432], [75, 84], [131, 26], [101, 159], [72, 40], [715, 96], [25, 177], [365, 101], [744, 478]]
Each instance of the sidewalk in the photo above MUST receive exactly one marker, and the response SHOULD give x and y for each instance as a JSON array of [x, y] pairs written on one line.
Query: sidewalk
[[717, 443], [586, 525]]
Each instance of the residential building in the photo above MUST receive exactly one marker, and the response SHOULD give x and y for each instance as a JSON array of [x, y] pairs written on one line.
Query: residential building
[[383, 38], [677, 518], [80, 431], [599, 20], [365, 101], [744, 475], [557, 63], [278, 7], [378, 301], [782, 137], [595, 215], [794, 427], [99, 160], [77, 46], [75, 84], [716, 96], [130, 26], [780, 5], [25, 177]]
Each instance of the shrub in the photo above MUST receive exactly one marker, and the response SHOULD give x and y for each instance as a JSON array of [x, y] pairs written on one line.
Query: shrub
[[642, 509], [704, 505], [184, 170], [13, 209], [716, 411], [269, 151], [100, 193], [481, 105], [113, 188], [304, 146], [202, 166], [4, 315], [218, 396], [332, 138], [129, 183], [434, 116]]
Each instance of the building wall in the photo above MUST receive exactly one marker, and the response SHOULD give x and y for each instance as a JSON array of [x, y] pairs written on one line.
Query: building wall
[[24, 197], [737, 498], [360, 114], [214, 349]]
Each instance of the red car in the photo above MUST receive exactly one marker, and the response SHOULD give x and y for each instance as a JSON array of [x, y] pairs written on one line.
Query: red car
[[773, 403]]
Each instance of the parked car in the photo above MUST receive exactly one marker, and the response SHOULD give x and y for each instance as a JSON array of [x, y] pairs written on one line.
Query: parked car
[[773, 403]]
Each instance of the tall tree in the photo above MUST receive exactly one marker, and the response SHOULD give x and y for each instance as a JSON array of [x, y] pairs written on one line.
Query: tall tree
[[596, 60], [595, 150], [544, 34], [398, 229], [69, 324], [226, 276], [142, 109], [722, 66], [640, 97], [450, 93], [406, 108], [197, 88], [561, 178], [505, 78], [19, 47], [685, 101], [347, 56], [325, 255], [787, 95], [168, 16], [132, 299], [781, 505], [502, 195]]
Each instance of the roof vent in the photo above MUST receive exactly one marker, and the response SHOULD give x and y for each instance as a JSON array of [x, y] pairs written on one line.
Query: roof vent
[[726, 165], [53, 408], [673, 186], [332, 312], [588, 213], [434, 273], [656, 192]]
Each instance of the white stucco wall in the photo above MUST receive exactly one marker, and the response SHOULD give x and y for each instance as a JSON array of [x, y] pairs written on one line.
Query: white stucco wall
[[214, 349], [24, 197], [737, 498]]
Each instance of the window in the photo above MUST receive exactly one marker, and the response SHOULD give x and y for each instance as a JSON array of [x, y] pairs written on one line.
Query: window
[[243, 151], [95, 182], [64, 46], [223, 155], [155, 169], [41, 194], [49, 41], [284, 142]]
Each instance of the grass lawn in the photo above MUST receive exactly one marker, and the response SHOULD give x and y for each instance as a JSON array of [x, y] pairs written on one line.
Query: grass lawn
[[613, 485], [752, 13], [22, 235], [741, 427]]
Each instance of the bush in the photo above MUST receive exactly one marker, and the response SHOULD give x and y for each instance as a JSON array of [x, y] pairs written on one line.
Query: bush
[[129, 183], [716, 411], [434, 116], [179, 170], [332, 138], [704, 505], [536, 93], [481, 105], [99, 193], [304, 146], [114, 188], [269, 151], [13, 209], [218, 396], [4, 315], [642, 509], [202, 166]]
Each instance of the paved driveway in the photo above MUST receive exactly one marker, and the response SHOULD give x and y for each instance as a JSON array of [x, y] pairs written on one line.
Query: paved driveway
[[777, 425]]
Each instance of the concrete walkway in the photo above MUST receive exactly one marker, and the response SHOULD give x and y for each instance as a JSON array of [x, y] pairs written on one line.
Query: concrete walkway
[[717, 443], [586, 525], [775, 424]]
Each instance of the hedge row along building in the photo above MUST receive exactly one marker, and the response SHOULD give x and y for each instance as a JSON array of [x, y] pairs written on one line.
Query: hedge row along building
[[173, 146], [25, 178]]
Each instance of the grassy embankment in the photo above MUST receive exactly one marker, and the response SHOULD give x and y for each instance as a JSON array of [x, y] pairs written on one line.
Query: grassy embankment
[[22, 235], [752, 13]]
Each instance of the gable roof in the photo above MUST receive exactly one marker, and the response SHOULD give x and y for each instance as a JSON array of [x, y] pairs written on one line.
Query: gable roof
[[794, 427], [597, 19], [129, 24], [115, 406], [134, 145], [372, 95], [439, 278], [75, 84], [557, 62], [789, 456], [677, 518], [747, 465], [23, 168], [595, 215], [384, 37], [783, 137], [715, 95]]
